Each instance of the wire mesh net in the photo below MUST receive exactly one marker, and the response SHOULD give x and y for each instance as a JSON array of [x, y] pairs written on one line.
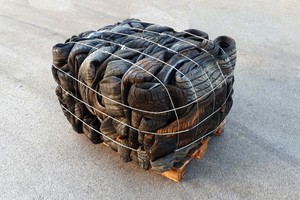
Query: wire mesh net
[[151, 93]]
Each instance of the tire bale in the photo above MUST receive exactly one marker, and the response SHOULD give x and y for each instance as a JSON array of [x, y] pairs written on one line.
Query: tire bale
[[149, 92]]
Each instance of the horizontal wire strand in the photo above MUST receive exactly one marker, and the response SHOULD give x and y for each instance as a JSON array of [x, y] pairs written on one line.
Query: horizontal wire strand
[[168, 49], [183, 41], [136, 109], [171, 100], [148, 132], [183, 74], [181, 148], [165, 63], [97, 130]]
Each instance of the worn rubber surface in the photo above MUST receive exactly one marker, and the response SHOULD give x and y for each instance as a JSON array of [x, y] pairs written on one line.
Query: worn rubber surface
[[139, 88]]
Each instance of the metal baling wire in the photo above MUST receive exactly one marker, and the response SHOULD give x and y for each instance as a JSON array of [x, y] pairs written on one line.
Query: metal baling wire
[[121, 45], [213, 89], [187, 42], [162, 46], [197, 36], [128, 146], [161, 62], [195, 45], [174, 109], [107, 115], [183, 41], [197, 140], [151, 112], [206, 129], [130, 107], [189, 81], [120, 143], [95, 129], [156, 112], [225, 82], [208, 78], [145, 131], [148, 132], [165, 63]]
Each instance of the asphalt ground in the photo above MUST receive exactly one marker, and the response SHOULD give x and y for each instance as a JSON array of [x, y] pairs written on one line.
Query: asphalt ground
[[257, 157]]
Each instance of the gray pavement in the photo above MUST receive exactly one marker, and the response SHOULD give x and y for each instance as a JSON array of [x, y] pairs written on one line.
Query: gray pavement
[[258, 156]]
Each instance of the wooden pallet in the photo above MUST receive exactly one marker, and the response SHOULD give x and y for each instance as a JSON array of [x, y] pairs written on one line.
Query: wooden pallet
[[177, 172]]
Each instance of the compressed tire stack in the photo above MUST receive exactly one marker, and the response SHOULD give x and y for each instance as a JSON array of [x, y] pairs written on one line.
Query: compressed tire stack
[[147, 91]]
